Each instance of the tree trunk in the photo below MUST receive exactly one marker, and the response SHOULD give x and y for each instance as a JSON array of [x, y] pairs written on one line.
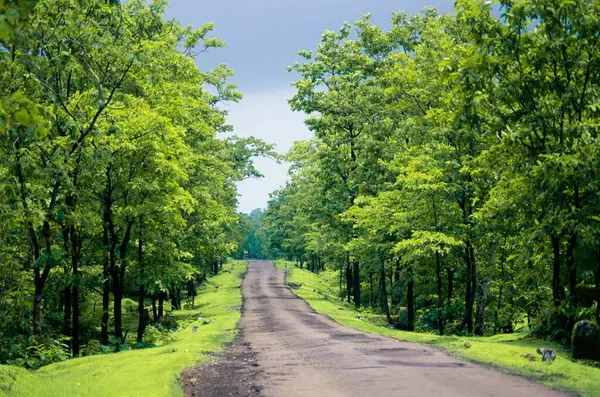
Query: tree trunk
[[154, 310], [37, 302], [395, 285], [571, 245], [450, 292], [371, 290], [75, 290], [440, 297], [384, 299], [356, 277], [118, 276], [67, 312], [105, 308], [597, 285], [469, 286], [348, 279], [161, 300], [109, 258], [175, 298], [410, 300], [557, 291], [501, 289], [117, 313], [143, 315], [483, 289]]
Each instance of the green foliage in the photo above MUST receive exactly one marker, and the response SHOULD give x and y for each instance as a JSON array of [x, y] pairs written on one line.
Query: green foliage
[[453, 167], [114, 178], [39, 352]]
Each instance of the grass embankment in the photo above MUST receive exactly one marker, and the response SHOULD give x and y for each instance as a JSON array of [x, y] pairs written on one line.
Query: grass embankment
[[505, 352], [146, 372]]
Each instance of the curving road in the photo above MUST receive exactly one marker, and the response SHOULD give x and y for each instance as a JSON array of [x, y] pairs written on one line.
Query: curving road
[[301, 353]]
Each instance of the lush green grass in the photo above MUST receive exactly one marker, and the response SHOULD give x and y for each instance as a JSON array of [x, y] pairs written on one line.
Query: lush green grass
[[148, 372], [506, 352]]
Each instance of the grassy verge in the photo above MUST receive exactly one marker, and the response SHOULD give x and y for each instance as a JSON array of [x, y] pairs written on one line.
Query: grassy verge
[[505, 352], [147, 372]]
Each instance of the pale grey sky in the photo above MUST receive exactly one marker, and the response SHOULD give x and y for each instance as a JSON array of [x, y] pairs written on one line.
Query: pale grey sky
[[263, 37]]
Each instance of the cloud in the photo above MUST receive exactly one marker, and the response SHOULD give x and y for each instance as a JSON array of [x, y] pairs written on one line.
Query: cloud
[[266, 115]]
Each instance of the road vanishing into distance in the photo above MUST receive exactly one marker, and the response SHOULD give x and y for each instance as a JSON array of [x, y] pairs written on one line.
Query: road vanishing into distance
[[288, 350]]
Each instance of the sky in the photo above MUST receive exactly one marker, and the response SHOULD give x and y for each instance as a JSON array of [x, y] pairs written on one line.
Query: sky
[[263, 38]]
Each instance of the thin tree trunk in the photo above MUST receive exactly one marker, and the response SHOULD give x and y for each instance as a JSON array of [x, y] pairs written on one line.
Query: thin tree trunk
[[154, 310], [75, 251], [348, 279], [371, 290], [450, 292], [394, 292], [161, 300], [440, 297], [356, 277], [142, 312], [384, 299], [469, 285], [109, 256], [501, 288], [67, 312], [597, 285], [571, 245], [119, 282], [410, 300], [483, 289], [557, 291]]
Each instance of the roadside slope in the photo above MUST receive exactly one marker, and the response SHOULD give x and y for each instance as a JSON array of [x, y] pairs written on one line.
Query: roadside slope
[[148, 372], [504, 352]]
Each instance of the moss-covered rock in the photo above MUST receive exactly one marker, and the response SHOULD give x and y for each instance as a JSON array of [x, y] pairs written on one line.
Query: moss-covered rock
[[585, 342]]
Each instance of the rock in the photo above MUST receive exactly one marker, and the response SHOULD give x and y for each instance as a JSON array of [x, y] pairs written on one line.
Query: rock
[[358, 316], [585, 341], [467, 345], [547, 354], [195, 329]]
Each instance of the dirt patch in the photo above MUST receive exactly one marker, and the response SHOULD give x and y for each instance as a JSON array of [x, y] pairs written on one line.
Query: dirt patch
[[234, 373]]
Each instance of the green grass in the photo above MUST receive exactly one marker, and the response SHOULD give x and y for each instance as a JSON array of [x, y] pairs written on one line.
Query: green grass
[[505, 352], [147, 372]]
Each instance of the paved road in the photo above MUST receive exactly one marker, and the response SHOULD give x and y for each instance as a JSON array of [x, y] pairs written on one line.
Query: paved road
[[301, 353]]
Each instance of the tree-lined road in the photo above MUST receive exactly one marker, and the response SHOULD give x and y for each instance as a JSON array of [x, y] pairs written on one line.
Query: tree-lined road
[[302, 353]]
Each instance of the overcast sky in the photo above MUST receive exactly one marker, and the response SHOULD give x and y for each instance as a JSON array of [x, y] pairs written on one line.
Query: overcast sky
[[263, 37]]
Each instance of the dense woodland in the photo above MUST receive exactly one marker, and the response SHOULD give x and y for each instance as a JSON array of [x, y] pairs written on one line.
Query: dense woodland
[[453, 177], [113, 179]]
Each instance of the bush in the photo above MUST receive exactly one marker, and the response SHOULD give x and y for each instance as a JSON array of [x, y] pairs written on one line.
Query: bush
[[155, 336], [585, 342], [553, 323], [40, 352], [94, 347]]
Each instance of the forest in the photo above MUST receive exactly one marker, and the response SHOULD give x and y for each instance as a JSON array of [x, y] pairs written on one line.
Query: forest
[[117, 182], [451, 186], [453, 176]]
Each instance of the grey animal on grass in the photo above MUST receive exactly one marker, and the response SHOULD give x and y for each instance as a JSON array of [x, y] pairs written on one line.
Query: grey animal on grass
[[547, 354]]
